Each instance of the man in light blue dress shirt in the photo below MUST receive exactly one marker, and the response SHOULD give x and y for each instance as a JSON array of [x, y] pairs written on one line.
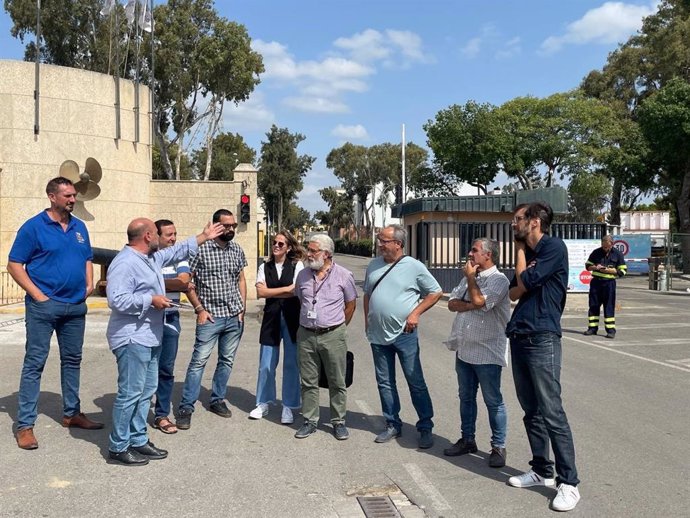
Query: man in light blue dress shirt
[[136, 296]]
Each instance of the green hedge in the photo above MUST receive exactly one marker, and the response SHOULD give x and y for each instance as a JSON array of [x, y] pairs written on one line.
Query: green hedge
[[361, 247]]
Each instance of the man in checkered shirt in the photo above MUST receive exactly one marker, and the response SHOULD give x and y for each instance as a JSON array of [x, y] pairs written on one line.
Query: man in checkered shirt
[[219, 300], [478, 335]]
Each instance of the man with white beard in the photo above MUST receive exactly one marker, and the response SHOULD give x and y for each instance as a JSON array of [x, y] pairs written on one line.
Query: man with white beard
[[328, 298]]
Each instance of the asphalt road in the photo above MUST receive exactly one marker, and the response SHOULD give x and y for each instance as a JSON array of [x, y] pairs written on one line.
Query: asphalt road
[[627, 402]]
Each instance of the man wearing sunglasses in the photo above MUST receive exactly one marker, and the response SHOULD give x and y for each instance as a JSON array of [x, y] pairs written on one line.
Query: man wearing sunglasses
[[219, 298], [392, 307]]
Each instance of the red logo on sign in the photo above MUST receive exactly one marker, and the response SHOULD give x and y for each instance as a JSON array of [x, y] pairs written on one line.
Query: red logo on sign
[[585, 277], [622, 246]]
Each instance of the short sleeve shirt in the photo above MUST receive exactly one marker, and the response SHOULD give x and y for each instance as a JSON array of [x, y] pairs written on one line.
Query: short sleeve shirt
[[55, 259], [216, 272], [395, 297]]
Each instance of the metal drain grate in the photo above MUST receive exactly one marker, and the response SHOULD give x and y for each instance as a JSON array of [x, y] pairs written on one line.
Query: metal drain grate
[[378, 507]]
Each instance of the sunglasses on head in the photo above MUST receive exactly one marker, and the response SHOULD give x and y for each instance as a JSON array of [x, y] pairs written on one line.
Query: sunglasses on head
[[279, 244]]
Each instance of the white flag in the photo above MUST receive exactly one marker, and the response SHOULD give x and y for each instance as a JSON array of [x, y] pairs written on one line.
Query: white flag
[[146, 19], [108, 6], [129, 11]]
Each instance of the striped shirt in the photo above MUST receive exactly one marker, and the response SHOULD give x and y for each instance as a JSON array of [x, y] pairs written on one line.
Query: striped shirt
[[480, 334], [172, 271], [216, 271]]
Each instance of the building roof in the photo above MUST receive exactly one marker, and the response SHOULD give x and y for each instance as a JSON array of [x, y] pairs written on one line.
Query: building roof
[[557, 197]]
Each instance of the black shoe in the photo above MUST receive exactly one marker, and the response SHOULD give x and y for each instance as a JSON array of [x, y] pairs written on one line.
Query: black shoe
[[611, 335], [591, 331], [128, 457], [391, 432], [497, 459], [150, 451], [462, 447], [426, 440], [340, 431], [220, 408], [184, 419], [306, 430]]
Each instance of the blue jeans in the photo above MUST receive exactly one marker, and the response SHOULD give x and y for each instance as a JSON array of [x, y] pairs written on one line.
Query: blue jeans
[[268, 362], [42, 319], [536, 362], [470, 378], [406, 347], [227, 331], [137, 378], [166, 363]]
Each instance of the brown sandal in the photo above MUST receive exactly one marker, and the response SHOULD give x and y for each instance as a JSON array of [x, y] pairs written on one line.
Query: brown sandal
[[165, 425]]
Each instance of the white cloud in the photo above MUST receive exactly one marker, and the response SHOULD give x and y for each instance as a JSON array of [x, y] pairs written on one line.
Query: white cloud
[[355, 132], [365, 46], [511, 48], [392, 47], [319, 86], [612, 22], [251, 115], [471, 48], [316, 104]]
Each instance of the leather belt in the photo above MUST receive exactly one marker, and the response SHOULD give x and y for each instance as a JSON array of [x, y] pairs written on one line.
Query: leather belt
[[321, 330]]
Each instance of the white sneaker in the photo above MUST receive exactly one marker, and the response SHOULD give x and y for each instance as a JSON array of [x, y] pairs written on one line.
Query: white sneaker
[[287, 417], [530, 479], [566, 498], [260, 411]]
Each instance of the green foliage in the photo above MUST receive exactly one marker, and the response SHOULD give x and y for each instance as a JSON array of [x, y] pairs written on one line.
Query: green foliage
[[73, 33], [229, 149], [588, 194], [362, 247], [281, 172], [463, 140], [665, 121], [157, 170], [340, 209], [200, 54], [297, 218]]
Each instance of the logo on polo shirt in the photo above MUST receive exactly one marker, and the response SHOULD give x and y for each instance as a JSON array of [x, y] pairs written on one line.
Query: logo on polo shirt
[[80, 238]]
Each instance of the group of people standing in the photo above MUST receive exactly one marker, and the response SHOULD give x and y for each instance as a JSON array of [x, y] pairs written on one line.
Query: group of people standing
[[310, 300]]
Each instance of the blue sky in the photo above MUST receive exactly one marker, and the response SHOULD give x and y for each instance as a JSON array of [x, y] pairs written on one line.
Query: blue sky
[[356, 70]]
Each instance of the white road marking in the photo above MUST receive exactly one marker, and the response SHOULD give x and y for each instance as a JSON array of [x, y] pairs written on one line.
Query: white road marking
[[617, 351], [685, 362], [365, 408], [437, 501]]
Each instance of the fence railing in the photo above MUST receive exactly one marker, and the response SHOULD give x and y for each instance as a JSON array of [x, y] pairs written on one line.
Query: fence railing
[[10, 292]]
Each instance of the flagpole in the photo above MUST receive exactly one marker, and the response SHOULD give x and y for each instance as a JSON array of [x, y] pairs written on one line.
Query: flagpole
[[37, 85], [118, 132], [137, 26]]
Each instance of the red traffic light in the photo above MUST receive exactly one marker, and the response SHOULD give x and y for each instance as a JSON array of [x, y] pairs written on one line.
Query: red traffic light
[[244, 198]]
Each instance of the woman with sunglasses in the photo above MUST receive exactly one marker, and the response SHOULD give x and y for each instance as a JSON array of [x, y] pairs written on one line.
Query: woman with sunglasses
[[275, 281]]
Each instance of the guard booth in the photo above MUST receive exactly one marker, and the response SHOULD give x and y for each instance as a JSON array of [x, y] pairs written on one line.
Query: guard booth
[[441, 230]]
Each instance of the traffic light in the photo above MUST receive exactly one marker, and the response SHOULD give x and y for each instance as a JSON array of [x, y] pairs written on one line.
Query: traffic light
[[244, 208]]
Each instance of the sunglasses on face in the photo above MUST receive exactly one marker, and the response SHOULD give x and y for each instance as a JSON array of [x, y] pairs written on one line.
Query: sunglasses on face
[[278, 244]]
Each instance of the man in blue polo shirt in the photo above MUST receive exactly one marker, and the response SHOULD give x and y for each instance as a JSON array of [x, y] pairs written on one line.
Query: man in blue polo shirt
[[539, 286], [51, 260]]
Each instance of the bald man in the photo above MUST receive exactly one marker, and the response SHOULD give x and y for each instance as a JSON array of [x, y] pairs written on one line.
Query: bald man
[[136, 296]]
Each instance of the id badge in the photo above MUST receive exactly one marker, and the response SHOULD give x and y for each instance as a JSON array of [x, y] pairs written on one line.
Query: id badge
[[311, 314]]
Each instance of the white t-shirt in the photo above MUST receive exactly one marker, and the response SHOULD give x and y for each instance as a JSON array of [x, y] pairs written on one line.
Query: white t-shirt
[[261, 275]]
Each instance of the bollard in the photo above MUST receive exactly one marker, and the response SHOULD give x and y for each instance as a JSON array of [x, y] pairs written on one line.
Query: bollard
[[663, 279]]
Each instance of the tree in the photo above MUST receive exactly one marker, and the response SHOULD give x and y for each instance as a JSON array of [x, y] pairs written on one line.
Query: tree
[[229, 149], [588, 194], [462, 139], [642, 65], [340, 209], [73, 33], [665, 120], [199, 55], [281, 171], [296, 218]]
